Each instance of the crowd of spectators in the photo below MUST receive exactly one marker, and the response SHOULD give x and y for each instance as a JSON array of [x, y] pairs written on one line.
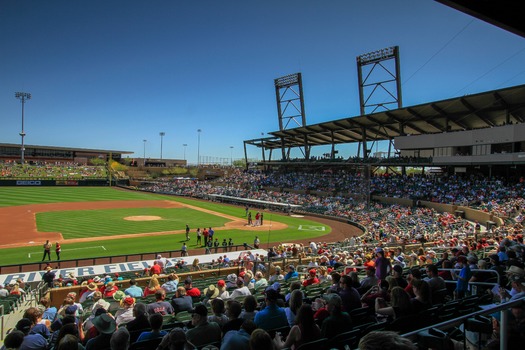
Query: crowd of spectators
[[247, 310], [51, 171], [386, 223], [387, 289]]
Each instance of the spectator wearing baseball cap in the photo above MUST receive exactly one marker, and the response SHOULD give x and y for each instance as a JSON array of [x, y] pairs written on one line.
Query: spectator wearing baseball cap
[[463, 277], [518, 284], [311, 279], [272, 316], [3, 292], [241, 290], [291, 273], [36, 339], [125, 313], [203, 332], [223, 293]]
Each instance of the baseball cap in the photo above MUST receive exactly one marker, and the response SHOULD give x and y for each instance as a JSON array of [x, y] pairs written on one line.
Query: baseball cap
[[221, 283], [271, 294], [70, 310], [24, 325], [398, 268], [200, 310], [188, 280]]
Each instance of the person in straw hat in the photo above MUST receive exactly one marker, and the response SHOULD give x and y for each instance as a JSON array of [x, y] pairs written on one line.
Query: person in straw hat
[[110, 289], [210, 293], [91, 288]]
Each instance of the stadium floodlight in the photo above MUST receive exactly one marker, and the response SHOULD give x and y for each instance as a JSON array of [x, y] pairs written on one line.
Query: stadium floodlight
[[287, 80], [144, 151], [162, 133], [376, 56], [199, 146], [231, 155], [184, 145], [22, 96]]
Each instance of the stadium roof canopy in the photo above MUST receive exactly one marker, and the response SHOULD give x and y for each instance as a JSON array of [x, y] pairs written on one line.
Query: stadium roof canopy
[[86, 150], [506, 14], [483, 110]]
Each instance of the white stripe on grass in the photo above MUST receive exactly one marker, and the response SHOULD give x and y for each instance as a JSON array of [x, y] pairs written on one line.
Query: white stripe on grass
[[66, 250]]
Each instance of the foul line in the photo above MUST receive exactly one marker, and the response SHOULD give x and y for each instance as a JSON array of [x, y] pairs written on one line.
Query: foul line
[[65, 250], [311, 228]]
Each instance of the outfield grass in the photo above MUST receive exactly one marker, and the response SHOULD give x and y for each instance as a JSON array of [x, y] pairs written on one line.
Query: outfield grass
[[76, 224], [10, 196]]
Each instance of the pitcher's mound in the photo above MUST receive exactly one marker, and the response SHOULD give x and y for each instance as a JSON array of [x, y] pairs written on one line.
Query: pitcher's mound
[[142, 218]]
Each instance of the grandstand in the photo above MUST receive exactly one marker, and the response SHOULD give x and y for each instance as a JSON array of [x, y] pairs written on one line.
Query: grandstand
[[418, 221]]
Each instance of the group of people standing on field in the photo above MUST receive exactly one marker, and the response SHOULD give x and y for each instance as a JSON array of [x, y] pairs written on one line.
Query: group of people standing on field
[[47, 250], [258, 219], [209, 242]]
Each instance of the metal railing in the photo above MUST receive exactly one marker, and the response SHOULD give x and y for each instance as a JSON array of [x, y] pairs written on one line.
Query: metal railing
[[502, 308], [81, 262]]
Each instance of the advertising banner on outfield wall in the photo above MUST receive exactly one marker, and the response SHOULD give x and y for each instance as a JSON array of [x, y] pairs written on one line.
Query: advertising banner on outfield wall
[[37, 183], [67, 183], [138, 266]]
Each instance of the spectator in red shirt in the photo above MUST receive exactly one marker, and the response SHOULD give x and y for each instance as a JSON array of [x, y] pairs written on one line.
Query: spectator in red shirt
[[190, 290], [312, 278], [110, 289], [156, 269]]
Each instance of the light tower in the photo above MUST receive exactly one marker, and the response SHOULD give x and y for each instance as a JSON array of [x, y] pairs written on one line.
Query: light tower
[[162, 133], [22, 96], [231, 155], [184, 145], [144, 151], [199, 146]]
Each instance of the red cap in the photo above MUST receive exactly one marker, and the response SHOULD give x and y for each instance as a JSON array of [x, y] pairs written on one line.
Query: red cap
[[221, 283], [312, 272]]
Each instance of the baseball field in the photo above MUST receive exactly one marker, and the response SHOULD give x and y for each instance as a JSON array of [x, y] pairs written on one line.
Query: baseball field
[[103, 221]]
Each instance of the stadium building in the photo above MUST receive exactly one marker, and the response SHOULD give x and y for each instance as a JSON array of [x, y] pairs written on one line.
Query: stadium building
[[34, 154]]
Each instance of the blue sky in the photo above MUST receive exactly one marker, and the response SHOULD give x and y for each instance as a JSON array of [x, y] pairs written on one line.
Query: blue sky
[[109, 74]]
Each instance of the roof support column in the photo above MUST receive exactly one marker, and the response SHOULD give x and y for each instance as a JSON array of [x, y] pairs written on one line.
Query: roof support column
[[365, 149]]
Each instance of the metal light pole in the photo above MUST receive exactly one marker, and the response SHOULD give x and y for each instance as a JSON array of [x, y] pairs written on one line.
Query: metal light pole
[[22, 96], [184, 145], [162, 133], [199, 147], [144, 151], [231, 155]]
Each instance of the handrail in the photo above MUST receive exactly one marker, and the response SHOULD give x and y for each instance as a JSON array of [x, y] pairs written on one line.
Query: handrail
[[502, 308], [2, 314]]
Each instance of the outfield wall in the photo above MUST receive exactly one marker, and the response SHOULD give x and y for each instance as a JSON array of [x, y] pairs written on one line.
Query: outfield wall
[[41, 183]]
